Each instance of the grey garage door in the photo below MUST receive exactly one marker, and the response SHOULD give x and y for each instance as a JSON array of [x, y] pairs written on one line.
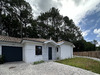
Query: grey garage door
[[12, 53]]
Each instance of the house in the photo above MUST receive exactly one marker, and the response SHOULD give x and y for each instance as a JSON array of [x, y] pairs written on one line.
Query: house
[[30, 50]]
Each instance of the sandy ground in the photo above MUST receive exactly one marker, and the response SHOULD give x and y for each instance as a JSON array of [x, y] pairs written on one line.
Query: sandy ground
[[47, 68]]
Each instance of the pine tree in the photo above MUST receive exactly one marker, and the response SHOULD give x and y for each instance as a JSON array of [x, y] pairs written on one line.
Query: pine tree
[[16, 15]]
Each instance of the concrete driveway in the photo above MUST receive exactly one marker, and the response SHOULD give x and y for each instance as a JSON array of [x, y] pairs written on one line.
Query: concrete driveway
[[47, 68]]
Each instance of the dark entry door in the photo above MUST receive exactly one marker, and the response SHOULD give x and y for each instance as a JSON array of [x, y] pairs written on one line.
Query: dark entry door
[[12, 53], [50, 53]]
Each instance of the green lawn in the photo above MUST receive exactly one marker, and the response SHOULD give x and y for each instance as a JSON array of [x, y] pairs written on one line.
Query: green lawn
[[84, 63]]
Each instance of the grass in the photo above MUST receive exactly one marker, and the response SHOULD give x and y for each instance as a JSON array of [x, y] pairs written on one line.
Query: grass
[[38, 62], [84, 63]]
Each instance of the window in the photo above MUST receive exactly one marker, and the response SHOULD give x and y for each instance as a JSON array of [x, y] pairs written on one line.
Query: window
[[57, 49], [38, 50]]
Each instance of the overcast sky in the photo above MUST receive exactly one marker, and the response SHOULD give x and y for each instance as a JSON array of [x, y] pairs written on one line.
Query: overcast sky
[[85, 14]]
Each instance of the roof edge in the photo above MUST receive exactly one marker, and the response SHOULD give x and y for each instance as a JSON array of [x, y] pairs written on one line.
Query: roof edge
[[31, 40]]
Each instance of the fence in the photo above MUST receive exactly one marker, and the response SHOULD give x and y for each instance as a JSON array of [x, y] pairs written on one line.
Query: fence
[[95, 54]]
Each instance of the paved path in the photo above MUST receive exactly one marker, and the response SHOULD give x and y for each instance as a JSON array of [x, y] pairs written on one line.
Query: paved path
[[47, 68]]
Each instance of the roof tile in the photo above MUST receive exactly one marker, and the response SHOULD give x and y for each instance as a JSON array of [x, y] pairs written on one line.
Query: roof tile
[[10, 39], [18, 40], [35, 39]]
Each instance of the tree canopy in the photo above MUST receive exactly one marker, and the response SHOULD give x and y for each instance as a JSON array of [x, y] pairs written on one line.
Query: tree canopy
[[82, 45], [54, 25], [16, 20], [15, 16]]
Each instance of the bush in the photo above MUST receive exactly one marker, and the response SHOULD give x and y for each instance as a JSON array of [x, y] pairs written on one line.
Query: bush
[[1, 59], [38, 62], [57, 58]]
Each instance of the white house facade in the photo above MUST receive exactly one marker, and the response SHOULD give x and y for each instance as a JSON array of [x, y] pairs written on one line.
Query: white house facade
[[30, 50]]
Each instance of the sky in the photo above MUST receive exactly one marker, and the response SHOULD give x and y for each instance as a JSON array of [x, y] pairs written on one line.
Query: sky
[[85, 14]]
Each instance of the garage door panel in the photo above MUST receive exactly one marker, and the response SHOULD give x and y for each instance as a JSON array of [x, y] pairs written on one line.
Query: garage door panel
[[12, 53]]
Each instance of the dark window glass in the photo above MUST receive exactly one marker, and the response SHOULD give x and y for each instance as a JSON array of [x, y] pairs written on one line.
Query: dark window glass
[[38, 50], [57, 49]]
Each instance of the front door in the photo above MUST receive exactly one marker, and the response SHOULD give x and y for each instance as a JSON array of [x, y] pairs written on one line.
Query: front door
[[50, 53]]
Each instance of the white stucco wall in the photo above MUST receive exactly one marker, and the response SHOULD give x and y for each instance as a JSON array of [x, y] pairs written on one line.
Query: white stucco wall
[[24, 52], [29, 52], [66, 51], [45, 51], [58, 54], [0, 50]]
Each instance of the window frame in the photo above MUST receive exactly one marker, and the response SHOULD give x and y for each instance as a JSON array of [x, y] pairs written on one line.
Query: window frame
[[36, 50], [57, 49]]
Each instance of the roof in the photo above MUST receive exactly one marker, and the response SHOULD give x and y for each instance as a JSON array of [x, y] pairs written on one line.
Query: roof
[[10, 39], [35, 39], [19, 40], [51, 41], [60, 41], [69, 43], [66, 42]]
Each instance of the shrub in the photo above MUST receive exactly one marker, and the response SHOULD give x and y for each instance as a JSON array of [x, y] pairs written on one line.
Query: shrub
[[38, 62], [57, 58], [1, 59]]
